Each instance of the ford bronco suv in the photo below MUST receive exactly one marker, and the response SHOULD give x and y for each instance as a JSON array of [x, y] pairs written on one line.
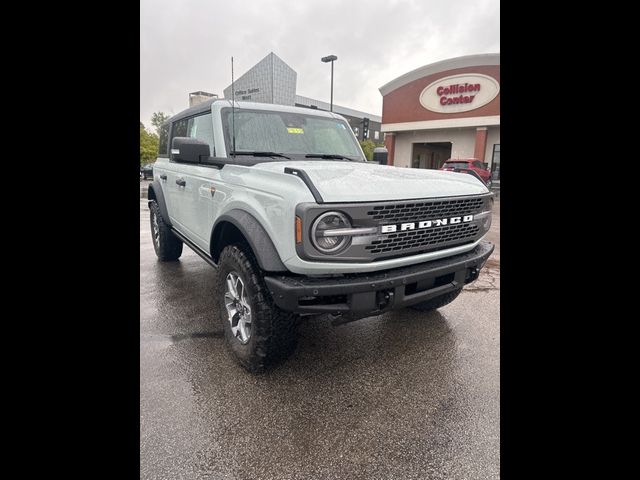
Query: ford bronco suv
[[282, 202]]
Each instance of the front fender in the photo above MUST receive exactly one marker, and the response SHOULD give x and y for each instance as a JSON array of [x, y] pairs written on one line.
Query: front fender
[[257, 237]]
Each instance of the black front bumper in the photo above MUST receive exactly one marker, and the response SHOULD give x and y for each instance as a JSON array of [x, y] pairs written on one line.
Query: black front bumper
[[362, 295]]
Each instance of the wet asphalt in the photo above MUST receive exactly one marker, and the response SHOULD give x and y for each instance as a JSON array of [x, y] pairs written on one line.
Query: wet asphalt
[[404, 395]]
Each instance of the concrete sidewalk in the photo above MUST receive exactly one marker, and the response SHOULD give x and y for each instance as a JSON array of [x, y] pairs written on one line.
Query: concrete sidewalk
[[144, 186]]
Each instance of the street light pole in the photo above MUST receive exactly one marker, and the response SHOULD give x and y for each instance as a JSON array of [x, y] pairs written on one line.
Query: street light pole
[[331, 104], [330, 58]]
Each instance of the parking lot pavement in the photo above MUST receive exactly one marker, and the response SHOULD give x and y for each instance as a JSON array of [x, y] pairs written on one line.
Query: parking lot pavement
[[399, 396]]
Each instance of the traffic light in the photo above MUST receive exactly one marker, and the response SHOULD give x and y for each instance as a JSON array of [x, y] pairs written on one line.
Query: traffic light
[[365, 128]]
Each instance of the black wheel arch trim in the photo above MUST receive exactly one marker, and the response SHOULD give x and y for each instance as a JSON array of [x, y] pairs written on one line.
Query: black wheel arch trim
[[155, 189], [255, 234]]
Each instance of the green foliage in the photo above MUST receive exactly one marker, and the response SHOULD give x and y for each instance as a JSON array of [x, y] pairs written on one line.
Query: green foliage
[[157, 119], [148, 146], [368, 146]]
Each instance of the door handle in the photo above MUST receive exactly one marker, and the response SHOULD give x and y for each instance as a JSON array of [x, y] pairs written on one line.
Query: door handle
[[163, 177], [181, 182]]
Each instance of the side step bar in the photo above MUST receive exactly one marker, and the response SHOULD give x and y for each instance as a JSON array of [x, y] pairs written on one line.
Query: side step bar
[[195, 248]]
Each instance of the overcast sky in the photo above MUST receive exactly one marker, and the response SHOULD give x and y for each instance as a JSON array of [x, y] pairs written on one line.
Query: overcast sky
[[187, 45]]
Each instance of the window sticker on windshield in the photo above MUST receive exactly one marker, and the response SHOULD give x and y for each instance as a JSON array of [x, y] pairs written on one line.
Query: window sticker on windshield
[[295, 130]]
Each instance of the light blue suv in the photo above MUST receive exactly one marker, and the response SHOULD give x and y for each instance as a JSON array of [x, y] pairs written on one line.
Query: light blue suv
[[282, 202]]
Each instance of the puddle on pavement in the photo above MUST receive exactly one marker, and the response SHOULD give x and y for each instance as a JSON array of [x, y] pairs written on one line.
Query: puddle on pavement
[[184, 336]]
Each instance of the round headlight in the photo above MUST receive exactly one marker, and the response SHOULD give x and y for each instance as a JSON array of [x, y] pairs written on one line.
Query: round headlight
[[330, 221]]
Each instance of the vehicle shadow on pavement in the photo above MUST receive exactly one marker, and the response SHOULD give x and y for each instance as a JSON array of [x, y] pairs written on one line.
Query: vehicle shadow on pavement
[[394, 338]]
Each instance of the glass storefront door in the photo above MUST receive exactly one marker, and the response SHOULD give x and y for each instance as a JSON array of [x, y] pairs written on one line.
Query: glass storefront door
[[495, 163]]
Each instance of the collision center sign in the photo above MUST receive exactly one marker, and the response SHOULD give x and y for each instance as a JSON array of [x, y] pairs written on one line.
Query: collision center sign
[[459, 93]]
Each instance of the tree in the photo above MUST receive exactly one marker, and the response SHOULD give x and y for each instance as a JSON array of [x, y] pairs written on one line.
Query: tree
[[148, 145], [157, 119], [367, 147]]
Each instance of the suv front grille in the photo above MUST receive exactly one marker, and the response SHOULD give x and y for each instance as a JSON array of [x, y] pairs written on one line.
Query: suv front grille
[[423, 239], [425, 210]]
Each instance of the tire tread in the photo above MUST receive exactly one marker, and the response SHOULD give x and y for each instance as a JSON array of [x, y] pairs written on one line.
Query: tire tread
[[274, 329], [170, 248]]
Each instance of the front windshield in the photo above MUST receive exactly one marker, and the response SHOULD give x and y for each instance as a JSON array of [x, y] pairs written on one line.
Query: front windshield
[[289, 134]]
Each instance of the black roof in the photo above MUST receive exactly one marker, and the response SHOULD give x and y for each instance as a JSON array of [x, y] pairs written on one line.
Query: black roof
[[202, 108], [199, 108]]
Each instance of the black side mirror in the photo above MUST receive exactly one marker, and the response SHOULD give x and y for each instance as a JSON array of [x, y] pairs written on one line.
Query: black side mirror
[[188, 150], [485, 166], [380, 155]]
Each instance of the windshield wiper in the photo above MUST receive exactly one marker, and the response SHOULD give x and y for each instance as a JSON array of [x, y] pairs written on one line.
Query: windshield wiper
[[329, 156], [260, 154]]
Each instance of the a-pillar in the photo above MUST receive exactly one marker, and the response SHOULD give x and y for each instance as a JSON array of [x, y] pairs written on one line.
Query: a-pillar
[[390, 143], [481, 143]]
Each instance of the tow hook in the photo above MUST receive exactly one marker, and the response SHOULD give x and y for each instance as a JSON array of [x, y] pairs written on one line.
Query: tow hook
[[472, 275], [384, 298]]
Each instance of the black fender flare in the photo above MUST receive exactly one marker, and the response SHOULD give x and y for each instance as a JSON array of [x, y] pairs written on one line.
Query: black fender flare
[[255, 234], [155, 193]]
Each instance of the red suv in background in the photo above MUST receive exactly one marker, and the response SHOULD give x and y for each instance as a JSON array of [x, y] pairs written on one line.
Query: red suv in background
[[474, 164]]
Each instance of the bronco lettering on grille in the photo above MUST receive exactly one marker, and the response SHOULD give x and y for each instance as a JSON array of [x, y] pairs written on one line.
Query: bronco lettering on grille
[[426, 224]]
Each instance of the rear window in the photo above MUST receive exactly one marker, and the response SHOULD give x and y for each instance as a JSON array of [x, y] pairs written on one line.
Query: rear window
[[456, 165]]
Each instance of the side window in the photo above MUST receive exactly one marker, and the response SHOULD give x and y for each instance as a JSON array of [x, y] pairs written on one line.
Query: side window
[[163, 147], [477, 164], [179, 129], [201, 128]]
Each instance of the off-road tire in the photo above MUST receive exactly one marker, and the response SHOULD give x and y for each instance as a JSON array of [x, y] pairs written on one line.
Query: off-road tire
[[437, 302], [273, 331], [168, 247]]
